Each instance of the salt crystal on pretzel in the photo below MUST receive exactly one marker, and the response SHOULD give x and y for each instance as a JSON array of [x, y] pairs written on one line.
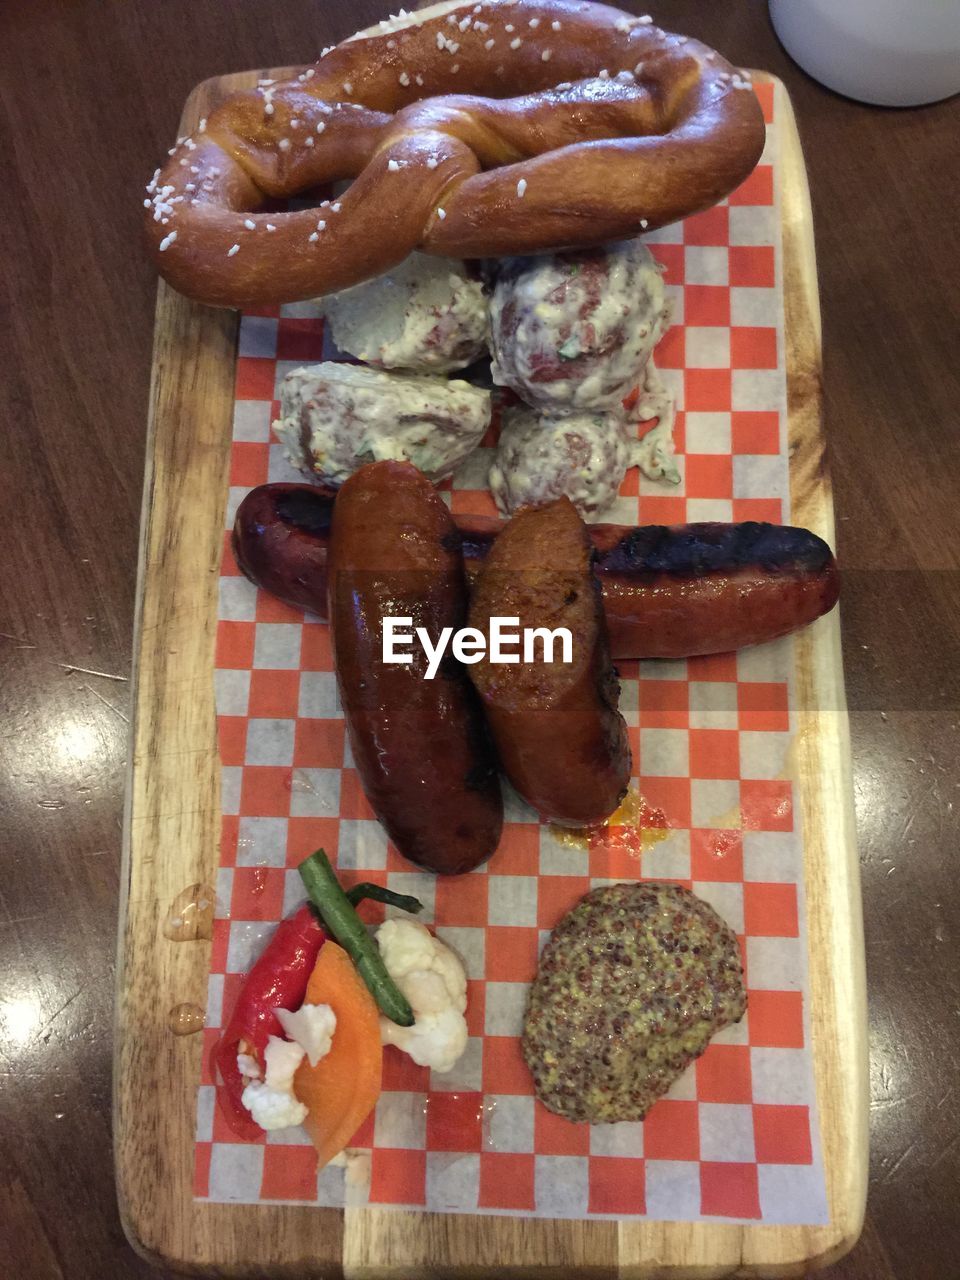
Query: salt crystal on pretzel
[[601, 161]]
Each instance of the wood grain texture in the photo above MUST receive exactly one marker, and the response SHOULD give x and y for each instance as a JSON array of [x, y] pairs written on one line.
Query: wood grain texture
[[91, 92], [172, 838]]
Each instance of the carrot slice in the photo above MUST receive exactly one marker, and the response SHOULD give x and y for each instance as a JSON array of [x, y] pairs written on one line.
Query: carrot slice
[[342, 1089]]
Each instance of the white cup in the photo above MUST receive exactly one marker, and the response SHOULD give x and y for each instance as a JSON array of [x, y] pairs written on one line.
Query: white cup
[[895, 53]]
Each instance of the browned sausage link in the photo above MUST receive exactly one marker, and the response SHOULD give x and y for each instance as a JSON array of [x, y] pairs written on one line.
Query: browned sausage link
[[561, 741], [420, 746], [687, 590], [668, 591], [281, 541]]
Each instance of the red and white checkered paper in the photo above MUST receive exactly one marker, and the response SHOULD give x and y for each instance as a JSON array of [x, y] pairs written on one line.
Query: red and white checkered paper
[[736, 1137]]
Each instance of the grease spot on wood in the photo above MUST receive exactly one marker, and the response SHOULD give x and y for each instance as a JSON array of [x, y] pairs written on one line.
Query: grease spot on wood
[[190, 917], [185, 1019]]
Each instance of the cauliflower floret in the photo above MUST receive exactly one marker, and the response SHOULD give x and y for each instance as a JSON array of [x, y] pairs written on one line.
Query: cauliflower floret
[[425, 969], [248, 1066], [282, 1057], [272, 1108], [432, 978], [271, 1101], [435, 1040], [311, 1027]]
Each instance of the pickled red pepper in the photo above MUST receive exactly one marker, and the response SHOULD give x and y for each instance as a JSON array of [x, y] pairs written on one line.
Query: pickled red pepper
[[278, 980]]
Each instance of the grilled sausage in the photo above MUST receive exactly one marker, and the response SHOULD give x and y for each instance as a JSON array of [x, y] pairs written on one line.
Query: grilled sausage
[[687, 590], [420, 746], [281, 541], [561, 741], [668, 592]]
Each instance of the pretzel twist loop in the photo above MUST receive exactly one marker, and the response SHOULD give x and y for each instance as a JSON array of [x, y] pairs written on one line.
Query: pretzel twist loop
[[620, 128]]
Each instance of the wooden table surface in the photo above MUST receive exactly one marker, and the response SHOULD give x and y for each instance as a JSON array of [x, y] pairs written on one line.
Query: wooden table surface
[[91, 92]]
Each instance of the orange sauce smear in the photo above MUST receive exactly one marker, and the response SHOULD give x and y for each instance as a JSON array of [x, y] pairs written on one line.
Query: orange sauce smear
[[633, 828]]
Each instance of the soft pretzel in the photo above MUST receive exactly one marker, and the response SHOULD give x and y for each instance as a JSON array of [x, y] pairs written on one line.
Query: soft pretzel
[[620, 128]]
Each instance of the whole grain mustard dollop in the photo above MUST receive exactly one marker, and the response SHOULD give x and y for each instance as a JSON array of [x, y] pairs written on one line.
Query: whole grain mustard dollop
[[632, 984]]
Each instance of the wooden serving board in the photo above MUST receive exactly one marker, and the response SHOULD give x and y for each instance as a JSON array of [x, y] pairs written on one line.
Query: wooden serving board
[[171, 840]]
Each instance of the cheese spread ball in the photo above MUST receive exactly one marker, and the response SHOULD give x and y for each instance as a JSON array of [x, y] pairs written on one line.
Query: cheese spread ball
[[336, 417], [539, 458], [631, 986], [573, 331], [427, 315]]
